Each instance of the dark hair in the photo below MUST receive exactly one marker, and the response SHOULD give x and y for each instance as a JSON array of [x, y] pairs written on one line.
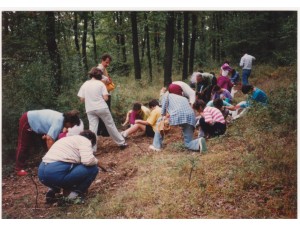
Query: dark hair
[[233, 71], [247, 88], [200, 71], [137, 106], [96, 73], [218, 103], [216, 88], [105, 56], [89, 135], [226, 61], [72, 117], [153, 103], [212, 73], [199, 103]]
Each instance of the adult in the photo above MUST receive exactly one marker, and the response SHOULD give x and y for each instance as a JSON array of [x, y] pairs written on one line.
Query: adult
[[254, 95], [223, 81], [212, 122], [181, 114], [246, 64], [47, 123], [182, 88], [94, 94], [224, 94], [70, 165], [146, 126], [235, 77], [105, 62], [222, 105]]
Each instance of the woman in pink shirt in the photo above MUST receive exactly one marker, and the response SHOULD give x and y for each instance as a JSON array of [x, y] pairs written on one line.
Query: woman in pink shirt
[[212, 122]]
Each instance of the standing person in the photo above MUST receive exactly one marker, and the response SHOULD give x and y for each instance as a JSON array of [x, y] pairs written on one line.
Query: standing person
[[181, 114], [246, 64], [45, 122], [146, 126], [94, 94], [70, 165], [105, 62]]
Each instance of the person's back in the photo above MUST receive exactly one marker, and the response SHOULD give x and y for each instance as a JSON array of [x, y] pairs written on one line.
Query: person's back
[[246, 61], [187, 90], [179, 109], [259, 96]]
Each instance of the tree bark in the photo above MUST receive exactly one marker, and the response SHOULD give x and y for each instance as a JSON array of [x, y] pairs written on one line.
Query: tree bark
[[193, 42], [156, 44], [135, 45], [179, 41], [83, 44], [148, 47], [53, 51], [94, 38], [76, 40], [169, 42], [185, 45]]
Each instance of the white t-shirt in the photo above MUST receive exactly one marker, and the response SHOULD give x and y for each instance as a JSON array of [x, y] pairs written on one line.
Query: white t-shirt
[[187, 91], [92, 91]]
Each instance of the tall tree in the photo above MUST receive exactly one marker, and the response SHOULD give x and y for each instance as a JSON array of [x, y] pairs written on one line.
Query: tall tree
[[157, 43], [179, 40], [185, 45], [193, 42], [135, 45], [169, 42], [94, 37], [84, 37], [148, 46], [76, 39], [53, 51]]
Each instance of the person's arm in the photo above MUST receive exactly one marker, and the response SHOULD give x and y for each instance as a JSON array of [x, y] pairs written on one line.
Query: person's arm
[[81, 99], [105, 97], [242, 62], [49, 140], [144, 122]]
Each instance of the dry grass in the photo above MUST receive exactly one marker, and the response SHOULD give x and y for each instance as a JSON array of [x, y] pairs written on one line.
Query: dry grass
[[250, 172]]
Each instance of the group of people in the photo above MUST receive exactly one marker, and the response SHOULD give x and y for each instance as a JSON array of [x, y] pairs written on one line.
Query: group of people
[[70, 164]]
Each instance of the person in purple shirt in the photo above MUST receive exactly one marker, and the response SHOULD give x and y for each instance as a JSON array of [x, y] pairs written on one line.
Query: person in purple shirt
[[45, 122], [224, 94]]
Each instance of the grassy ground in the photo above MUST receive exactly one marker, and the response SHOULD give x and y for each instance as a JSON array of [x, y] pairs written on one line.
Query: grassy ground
[[250, 172]]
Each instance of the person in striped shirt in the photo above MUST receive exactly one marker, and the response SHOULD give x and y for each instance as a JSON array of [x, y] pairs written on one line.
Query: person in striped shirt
[[212, 121]]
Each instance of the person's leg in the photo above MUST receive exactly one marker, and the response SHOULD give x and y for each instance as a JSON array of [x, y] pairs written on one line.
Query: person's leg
[[93, 125], [218, 129], [80, 178], [24, 137], [245, 76], [188, 134], [105, 115], [133, 129]]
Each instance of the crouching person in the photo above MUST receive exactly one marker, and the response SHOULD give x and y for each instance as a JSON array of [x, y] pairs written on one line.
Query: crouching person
[[70, 165]]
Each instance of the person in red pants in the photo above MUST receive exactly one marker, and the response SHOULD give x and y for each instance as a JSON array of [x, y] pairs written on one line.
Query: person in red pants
[[46, 122]]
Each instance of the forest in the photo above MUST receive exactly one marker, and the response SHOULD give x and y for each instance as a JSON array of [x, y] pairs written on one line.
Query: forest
[[46, 56]]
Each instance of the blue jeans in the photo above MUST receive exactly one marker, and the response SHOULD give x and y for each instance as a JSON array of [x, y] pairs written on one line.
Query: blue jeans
[[188, 134], [245, 76], [75, 177]]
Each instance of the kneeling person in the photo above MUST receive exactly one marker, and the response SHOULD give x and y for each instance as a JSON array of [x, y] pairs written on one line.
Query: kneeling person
[[70, 164], [146, 126]]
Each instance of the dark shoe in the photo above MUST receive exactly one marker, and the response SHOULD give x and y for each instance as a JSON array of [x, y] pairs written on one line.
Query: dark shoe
[[123, 146], [50, 196]]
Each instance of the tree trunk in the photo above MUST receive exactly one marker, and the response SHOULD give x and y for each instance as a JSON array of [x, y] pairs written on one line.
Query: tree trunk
[[193, 42], [169, 42], [53, 51], [94, 38], [83, 44], [185, 45], [156, 44], [125, 67], [179, 41], [148, 47], [76, 40], [135, 45]]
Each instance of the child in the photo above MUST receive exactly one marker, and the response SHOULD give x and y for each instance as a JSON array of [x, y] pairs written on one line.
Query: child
[[138, 112]]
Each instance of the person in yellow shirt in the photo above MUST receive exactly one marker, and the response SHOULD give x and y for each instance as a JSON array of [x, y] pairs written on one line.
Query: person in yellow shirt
[[146, 126]]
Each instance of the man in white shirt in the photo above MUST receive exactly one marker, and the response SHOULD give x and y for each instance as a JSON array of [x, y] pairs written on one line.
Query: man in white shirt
[[246, 64]]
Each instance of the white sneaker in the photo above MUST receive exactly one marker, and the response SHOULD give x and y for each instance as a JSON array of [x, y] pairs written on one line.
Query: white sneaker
[[154, 149], [202, 145]]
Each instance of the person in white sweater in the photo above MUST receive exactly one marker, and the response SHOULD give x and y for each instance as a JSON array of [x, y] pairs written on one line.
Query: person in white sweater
[[70, 165]]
